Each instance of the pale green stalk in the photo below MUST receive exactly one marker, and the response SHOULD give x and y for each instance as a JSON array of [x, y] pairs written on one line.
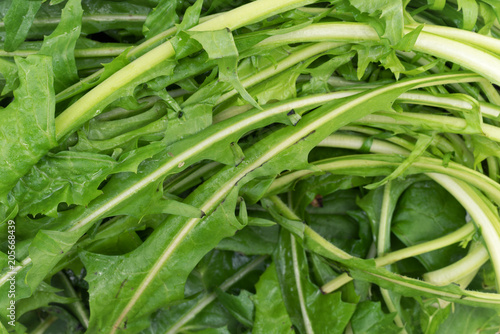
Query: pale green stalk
[[105, 51], [452, 238], [44, 325], [450, 124], [282, 65], [475, 59], [91, 104], [477, 256]]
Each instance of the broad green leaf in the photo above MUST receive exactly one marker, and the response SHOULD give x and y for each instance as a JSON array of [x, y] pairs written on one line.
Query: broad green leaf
[[162, 17], [8, 70], [18, 21], [468, 319], [29, 119], [69, 177], [241, 306], [132, 290], [369, 318], [270, 312], [60, 45], [427, 211]]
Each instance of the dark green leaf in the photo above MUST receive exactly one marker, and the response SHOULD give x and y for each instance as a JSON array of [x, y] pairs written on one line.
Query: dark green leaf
[[369, 318]]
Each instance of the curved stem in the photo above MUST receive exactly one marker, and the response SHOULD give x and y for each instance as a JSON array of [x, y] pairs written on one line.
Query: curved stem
[[470, 57], [92, 103], [462, 233]]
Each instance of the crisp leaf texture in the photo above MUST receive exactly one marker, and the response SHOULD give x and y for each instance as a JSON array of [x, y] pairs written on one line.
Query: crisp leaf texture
[[18, 21], [29, 119], [61, 43], [270, 311]]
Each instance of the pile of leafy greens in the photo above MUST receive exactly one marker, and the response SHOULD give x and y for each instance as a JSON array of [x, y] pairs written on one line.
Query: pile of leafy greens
[[267, 166]]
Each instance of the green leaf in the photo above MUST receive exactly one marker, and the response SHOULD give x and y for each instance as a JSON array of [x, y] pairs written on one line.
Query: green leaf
[[425, 212], [162, 17], [43, 295], [305, 302], [18, 21], [468, 319], [470, 11], [69, 177], [241, 306], [270, 312], [252, 240], [60, 45], [389, 12], [33, 105], [421, 146], [369, 318], [8, 70], [191, 16], [132, 287], [432, 315], [220, 45]]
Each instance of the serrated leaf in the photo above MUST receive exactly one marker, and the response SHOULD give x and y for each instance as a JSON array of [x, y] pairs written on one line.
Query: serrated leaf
[[162, 17], [69, 177], [220, 46], [389, 12], [35, 93], [43, 295], [131, 288], [60, 45]]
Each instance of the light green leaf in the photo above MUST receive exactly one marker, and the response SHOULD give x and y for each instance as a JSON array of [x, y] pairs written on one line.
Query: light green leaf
[[220, 45], [18, 21], [389, 12], [60, 45], [69, 177], [162, 17], [29, 119]]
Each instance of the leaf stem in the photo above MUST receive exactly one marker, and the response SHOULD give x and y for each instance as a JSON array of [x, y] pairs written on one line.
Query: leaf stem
[[44, 325], [475, 59], [77, 307], [462, 233], [206, 300], [92, 103], [477, 256]]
